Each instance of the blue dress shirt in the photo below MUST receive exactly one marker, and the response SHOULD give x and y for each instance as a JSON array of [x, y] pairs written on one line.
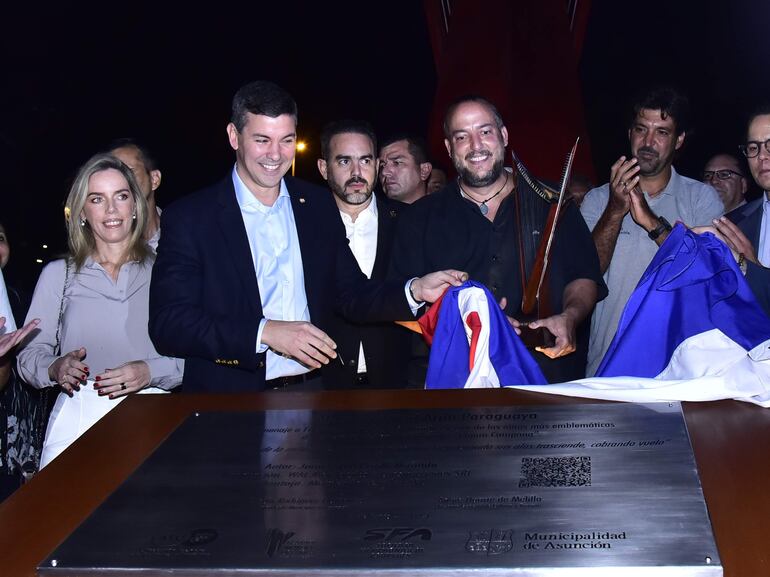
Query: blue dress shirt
[[277, 258]]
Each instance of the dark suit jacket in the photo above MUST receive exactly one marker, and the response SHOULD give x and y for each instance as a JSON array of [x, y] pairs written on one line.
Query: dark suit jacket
[[386, 345], [205, 305], [749, 219]]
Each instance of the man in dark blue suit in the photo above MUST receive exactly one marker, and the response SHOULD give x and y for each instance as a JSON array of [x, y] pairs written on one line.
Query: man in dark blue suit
[[746, 230], [250, 272]]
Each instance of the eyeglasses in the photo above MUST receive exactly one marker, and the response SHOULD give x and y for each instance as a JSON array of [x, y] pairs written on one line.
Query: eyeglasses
[[724, 174], [751, 148]]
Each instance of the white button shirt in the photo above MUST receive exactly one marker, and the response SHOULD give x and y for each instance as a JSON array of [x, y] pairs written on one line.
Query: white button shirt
[[5, 309], [763, 250], [362, 237]]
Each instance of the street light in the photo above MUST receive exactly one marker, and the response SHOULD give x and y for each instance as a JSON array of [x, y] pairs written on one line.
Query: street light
[[301, 146]]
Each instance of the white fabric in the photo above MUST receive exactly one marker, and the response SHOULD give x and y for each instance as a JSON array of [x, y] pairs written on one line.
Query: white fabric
[[483, 374], [73, 416], [155, 238], [414, 306], [763, 250], [706, 367], [362, 238], [5, 309]]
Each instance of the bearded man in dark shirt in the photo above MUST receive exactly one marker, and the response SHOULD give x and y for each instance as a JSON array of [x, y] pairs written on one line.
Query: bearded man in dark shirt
[[489, 222]]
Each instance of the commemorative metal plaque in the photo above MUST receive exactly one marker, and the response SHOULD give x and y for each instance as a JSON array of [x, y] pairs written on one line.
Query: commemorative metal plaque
[[597, 489]]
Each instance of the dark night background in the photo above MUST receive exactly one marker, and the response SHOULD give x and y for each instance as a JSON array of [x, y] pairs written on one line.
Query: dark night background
[[75, 77]]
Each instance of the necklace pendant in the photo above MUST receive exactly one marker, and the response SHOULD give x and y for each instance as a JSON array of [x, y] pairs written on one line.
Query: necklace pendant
[[483, 208]]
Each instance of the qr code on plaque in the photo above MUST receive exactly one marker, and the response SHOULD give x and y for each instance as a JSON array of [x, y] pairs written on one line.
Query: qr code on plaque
[[555, 472]]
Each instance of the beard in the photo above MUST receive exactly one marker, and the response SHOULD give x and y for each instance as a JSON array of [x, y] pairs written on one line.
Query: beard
[[650, 166], [479, 180], [356, 197]]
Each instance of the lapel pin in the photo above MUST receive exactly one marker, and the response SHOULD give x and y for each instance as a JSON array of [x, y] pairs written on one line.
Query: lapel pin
[[302, 200]]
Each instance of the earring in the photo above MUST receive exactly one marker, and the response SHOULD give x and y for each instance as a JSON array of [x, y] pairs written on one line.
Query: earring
[[82, 221], [133, 216]]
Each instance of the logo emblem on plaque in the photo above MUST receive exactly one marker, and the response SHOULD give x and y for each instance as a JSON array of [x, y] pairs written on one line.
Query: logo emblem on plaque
[[276, 539], [390, 534], [191, 544], [395, 542], [288, 545], [490, 542]]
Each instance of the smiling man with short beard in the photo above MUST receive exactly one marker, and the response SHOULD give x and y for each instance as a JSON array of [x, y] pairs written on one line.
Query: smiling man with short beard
[[490, 222], [632, 214]]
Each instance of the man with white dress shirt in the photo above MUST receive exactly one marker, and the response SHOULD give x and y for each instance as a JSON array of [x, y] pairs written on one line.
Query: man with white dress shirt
[[374, 355]]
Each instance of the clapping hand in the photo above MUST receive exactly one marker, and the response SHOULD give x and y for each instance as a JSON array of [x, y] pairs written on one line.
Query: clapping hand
[[624, 176], [10, 340]]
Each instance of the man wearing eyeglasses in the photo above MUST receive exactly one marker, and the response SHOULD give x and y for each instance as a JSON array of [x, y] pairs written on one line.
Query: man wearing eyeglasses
[[746, 230], [725, 174], [632, 214]]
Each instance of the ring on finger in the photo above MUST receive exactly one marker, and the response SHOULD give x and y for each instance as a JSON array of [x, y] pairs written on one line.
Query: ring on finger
[[122, 386]]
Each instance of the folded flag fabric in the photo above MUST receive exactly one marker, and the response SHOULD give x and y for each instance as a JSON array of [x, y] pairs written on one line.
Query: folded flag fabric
[[472, 343], [691, 331], [692, 286]]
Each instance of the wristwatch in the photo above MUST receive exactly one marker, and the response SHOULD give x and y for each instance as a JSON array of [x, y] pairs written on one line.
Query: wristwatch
[[664, 226]]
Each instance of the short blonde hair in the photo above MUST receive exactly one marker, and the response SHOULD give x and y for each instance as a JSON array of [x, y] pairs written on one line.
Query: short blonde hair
[[81, 238]]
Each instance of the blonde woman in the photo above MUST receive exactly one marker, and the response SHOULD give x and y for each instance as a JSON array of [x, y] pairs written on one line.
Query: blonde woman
[[93, 306]]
